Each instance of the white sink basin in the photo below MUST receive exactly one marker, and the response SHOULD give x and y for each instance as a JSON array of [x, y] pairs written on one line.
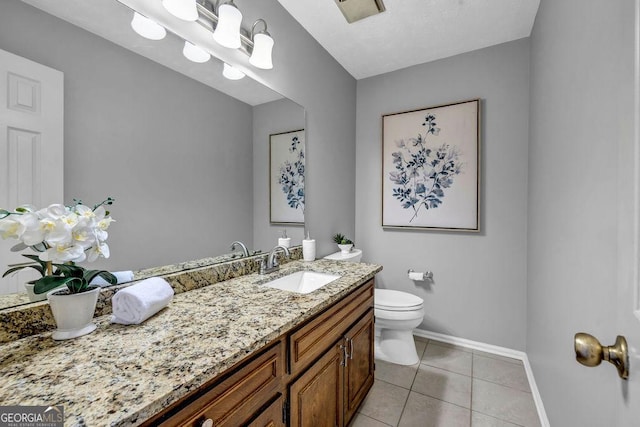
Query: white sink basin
[[302, 282]]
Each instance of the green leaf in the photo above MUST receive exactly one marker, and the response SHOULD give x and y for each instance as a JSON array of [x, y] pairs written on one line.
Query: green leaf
[[70, 270], [34, 266], [89, 275], [48, 283]]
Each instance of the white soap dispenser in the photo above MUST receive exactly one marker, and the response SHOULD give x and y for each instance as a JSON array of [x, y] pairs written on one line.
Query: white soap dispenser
[[284, 240], [309, 248]]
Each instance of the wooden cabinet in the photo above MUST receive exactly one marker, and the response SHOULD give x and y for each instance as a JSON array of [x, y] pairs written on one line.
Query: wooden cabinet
[[359, 365], [331, 390], [329, 370], [232, 400], [338, 347]]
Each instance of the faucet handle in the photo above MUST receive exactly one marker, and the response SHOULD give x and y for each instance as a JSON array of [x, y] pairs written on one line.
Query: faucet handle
[[261, 266]]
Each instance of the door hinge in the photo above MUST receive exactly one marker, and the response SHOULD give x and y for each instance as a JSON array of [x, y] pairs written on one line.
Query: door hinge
[[285, 412]]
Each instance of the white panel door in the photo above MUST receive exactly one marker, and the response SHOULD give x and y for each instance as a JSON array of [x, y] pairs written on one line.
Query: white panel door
[[31, 146], [629, 250]]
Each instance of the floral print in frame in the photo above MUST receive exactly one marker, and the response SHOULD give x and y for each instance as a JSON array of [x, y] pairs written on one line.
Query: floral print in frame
[[430, 168], [286, 181]]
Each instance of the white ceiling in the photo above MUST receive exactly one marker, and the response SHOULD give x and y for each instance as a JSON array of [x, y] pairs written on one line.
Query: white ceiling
[[412, 32]]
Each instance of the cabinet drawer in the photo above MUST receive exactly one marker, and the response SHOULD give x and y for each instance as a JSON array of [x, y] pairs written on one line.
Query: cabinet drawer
[[238, 396], [313, 339]]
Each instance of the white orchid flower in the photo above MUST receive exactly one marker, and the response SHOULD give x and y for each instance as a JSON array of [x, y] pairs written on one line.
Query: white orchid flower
[[11, 228], [71, 219], [64, 253], [56, 211], [33, 233], [23, 227], [101, 235], [59, 234], [84, 236], [85, 212], [104, 223], [101, 250]]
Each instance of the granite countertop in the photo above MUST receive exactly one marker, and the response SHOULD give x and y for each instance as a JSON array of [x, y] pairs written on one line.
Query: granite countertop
[[122, 375]]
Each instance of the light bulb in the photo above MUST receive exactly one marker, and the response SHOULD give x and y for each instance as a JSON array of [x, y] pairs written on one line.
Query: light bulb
[[227, 31], [232, 73], [195, 53], [261, 54], [147, 28], [183, 9]]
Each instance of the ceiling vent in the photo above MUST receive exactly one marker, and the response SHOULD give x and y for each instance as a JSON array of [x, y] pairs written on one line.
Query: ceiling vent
[[355, 10]]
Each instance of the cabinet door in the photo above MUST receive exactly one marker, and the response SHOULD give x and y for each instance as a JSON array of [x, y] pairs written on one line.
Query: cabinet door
[[316, 397], [312, 339], [271, 416], [359, 364]]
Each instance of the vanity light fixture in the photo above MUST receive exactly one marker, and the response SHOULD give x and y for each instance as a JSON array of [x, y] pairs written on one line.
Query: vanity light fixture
[[262, 47], [183, 9], [195, 53], [223, 19], [231, 72], [147, 28], [227, 32]]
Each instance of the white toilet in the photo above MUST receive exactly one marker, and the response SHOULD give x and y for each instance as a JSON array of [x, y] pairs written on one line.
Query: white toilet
[[397, 315]]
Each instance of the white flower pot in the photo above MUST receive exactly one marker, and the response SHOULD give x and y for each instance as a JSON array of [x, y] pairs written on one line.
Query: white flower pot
[[345, 249], [73, 313], [33, 297]]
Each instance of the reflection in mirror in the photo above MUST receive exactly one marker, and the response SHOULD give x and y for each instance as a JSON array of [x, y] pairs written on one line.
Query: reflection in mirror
[[183, 151]]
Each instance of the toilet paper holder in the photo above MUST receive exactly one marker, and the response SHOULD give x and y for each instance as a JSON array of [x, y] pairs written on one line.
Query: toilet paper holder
[[427, 275]]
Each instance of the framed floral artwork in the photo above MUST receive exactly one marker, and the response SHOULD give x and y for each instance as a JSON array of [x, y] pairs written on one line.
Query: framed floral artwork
[[431, 168], [286, 181]]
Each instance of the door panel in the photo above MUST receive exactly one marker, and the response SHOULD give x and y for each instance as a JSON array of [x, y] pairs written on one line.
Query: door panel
[[316, 397], [31, 146], [359, 366]]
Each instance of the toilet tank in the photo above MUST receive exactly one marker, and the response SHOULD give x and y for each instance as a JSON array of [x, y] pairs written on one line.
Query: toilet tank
[[354, 256]]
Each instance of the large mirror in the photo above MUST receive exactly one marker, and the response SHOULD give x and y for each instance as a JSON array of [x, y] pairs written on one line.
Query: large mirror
[[184, 151]]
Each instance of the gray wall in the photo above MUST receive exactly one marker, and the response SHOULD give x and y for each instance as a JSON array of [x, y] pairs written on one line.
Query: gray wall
[[304, 72], [580, 126], [269, 118], [480, 278], [175, 154]]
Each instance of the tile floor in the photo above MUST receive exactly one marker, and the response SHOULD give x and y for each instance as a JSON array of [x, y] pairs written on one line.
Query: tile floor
[[450, 387]]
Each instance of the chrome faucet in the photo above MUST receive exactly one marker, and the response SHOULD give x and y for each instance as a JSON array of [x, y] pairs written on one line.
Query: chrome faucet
[[245, 251], [271, 264]]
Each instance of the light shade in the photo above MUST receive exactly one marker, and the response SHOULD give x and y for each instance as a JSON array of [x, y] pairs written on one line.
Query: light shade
[[147, 28], [261, 54], [194, 53], [183, 9], [232, 73], [227, 31]]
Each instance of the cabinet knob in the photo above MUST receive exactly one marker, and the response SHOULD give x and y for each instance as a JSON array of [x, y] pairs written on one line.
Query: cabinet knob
[[207, 423]]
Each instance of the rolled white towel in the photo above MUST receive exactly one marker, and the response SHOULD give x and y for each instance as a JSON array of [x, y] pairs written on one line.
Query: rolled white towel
[[122, 276], [136, 303]]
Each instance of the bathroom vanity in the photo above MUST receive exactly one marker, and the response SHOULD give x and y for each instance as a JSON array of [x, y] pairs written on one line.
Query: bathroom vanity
[[235, 352]]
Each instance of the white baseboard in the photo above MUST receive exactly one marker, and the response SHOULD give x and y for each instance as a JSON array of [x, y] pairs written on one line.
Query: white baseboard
[[500, 351]]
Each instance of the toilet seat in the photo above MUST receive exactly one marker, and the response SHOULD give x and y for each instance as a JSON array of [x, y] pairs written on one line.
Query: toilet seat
[[391, 300]]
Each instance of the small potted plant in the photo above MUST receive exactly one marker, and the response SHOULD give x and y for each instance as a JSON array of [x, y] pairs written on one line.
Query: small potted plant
[[344, 243], [63, 236]]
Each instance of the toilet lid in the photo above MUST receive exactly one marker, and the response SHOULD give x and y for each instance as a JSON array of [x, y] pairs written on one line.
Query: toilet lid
[[388, 299]]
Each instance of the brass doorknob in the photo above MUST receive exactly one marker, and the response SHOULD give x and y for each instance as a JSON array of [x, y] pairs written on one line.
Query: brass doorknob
[[590, 352]]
